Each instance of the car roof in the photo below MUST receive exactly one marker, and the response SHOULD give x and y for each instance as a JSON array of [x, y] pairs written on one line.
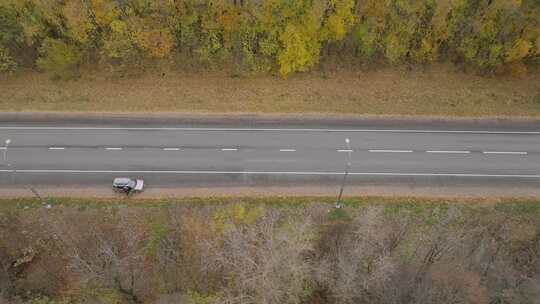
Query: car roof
[[121, 180]]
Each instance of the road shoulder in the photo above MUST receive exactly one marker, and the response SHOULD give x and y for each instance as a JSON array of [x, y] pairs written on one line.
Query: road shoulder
[[253, 120]]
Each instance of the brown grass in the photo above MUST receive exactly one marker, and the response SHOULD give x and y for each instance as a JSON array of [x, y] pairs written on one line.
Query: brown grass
[[438, 91]]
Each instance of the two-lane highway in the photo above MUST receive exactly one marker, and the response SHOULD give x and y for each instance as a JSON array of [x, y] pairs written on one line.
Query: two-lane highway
[[66, 155]]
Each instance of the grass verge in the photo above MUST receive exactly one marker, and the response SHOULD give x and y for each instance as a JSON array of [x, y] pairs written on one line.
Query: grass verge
[[415, 205], [438, 91]]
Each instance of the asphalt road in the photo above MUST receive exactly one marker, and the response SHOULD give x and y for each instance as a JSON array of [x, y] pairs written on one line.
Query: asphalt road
[[177, 155]]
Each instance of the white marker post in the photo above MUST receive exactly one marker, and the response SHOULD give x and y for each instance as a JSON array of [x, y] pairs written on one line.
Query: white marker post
[[34, 191], [349, 151], [8, 141]]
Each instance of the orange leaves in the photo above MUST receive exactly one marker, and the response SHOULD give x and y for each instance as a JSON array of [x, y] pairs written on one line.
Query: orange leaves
[[158, 43], [229, 19]]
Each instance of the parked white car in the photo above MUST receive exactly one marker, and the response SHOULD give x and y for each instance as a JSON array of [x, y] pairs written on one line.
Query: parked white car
[[128, 185]]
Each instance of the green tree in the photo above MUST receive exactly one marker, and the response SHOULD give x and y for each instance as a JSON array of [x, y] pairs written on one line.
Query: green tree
[[212, 48], [11, 33], [59, 58], [118, 44]]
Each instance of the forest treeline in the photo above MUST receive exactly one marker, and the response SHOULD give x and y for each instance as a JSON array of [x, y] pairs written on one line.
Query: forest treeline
[[61, 36], [253, 253]]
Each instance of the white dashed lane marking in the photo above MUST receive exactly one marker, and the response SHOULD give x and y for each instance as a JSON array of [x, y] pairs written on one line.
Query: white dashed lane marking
[[390, 151], [448, 152], [505, 152], [341, 150]]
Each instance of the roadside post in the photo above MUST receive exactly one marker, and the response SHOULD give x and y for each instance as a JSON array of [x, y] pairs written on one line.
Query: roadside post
[[8, 141], [13, 171], [347, 168]]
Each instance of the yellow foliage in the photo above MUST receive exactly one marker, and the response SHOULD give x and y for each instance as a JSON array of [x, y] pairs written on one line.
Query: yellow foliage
[[518, 69], [158, 43], [395, 48], [440, 25], [119, 44], [506, 4], [427, 51], [339, 21], [77, 21], [290, 33], [235, 215], [520, 49], [104, 10], [229, 19], [49, 10], [301, 47], [119, 27], [36, 15]]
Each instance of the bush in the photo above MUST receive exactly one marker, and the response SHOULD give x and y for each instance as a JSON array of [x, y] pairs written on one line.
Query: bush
[[11, 32], [59, 58], [7, 64]]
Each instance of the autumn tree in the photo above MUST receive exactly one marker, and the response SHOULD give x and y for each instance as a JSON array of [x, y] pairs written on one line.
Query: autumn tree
[[11, 38], [263, 262]]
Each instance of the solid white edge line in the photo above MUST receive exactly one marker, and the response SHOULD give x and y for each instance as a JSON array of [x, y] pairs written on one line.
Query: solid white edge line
[[56, 148], [287, 150], [505, 152], [448, 152], [345, 150], [113, 149], [275, 130], [229, 149], [391, 151], [277, 173]]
